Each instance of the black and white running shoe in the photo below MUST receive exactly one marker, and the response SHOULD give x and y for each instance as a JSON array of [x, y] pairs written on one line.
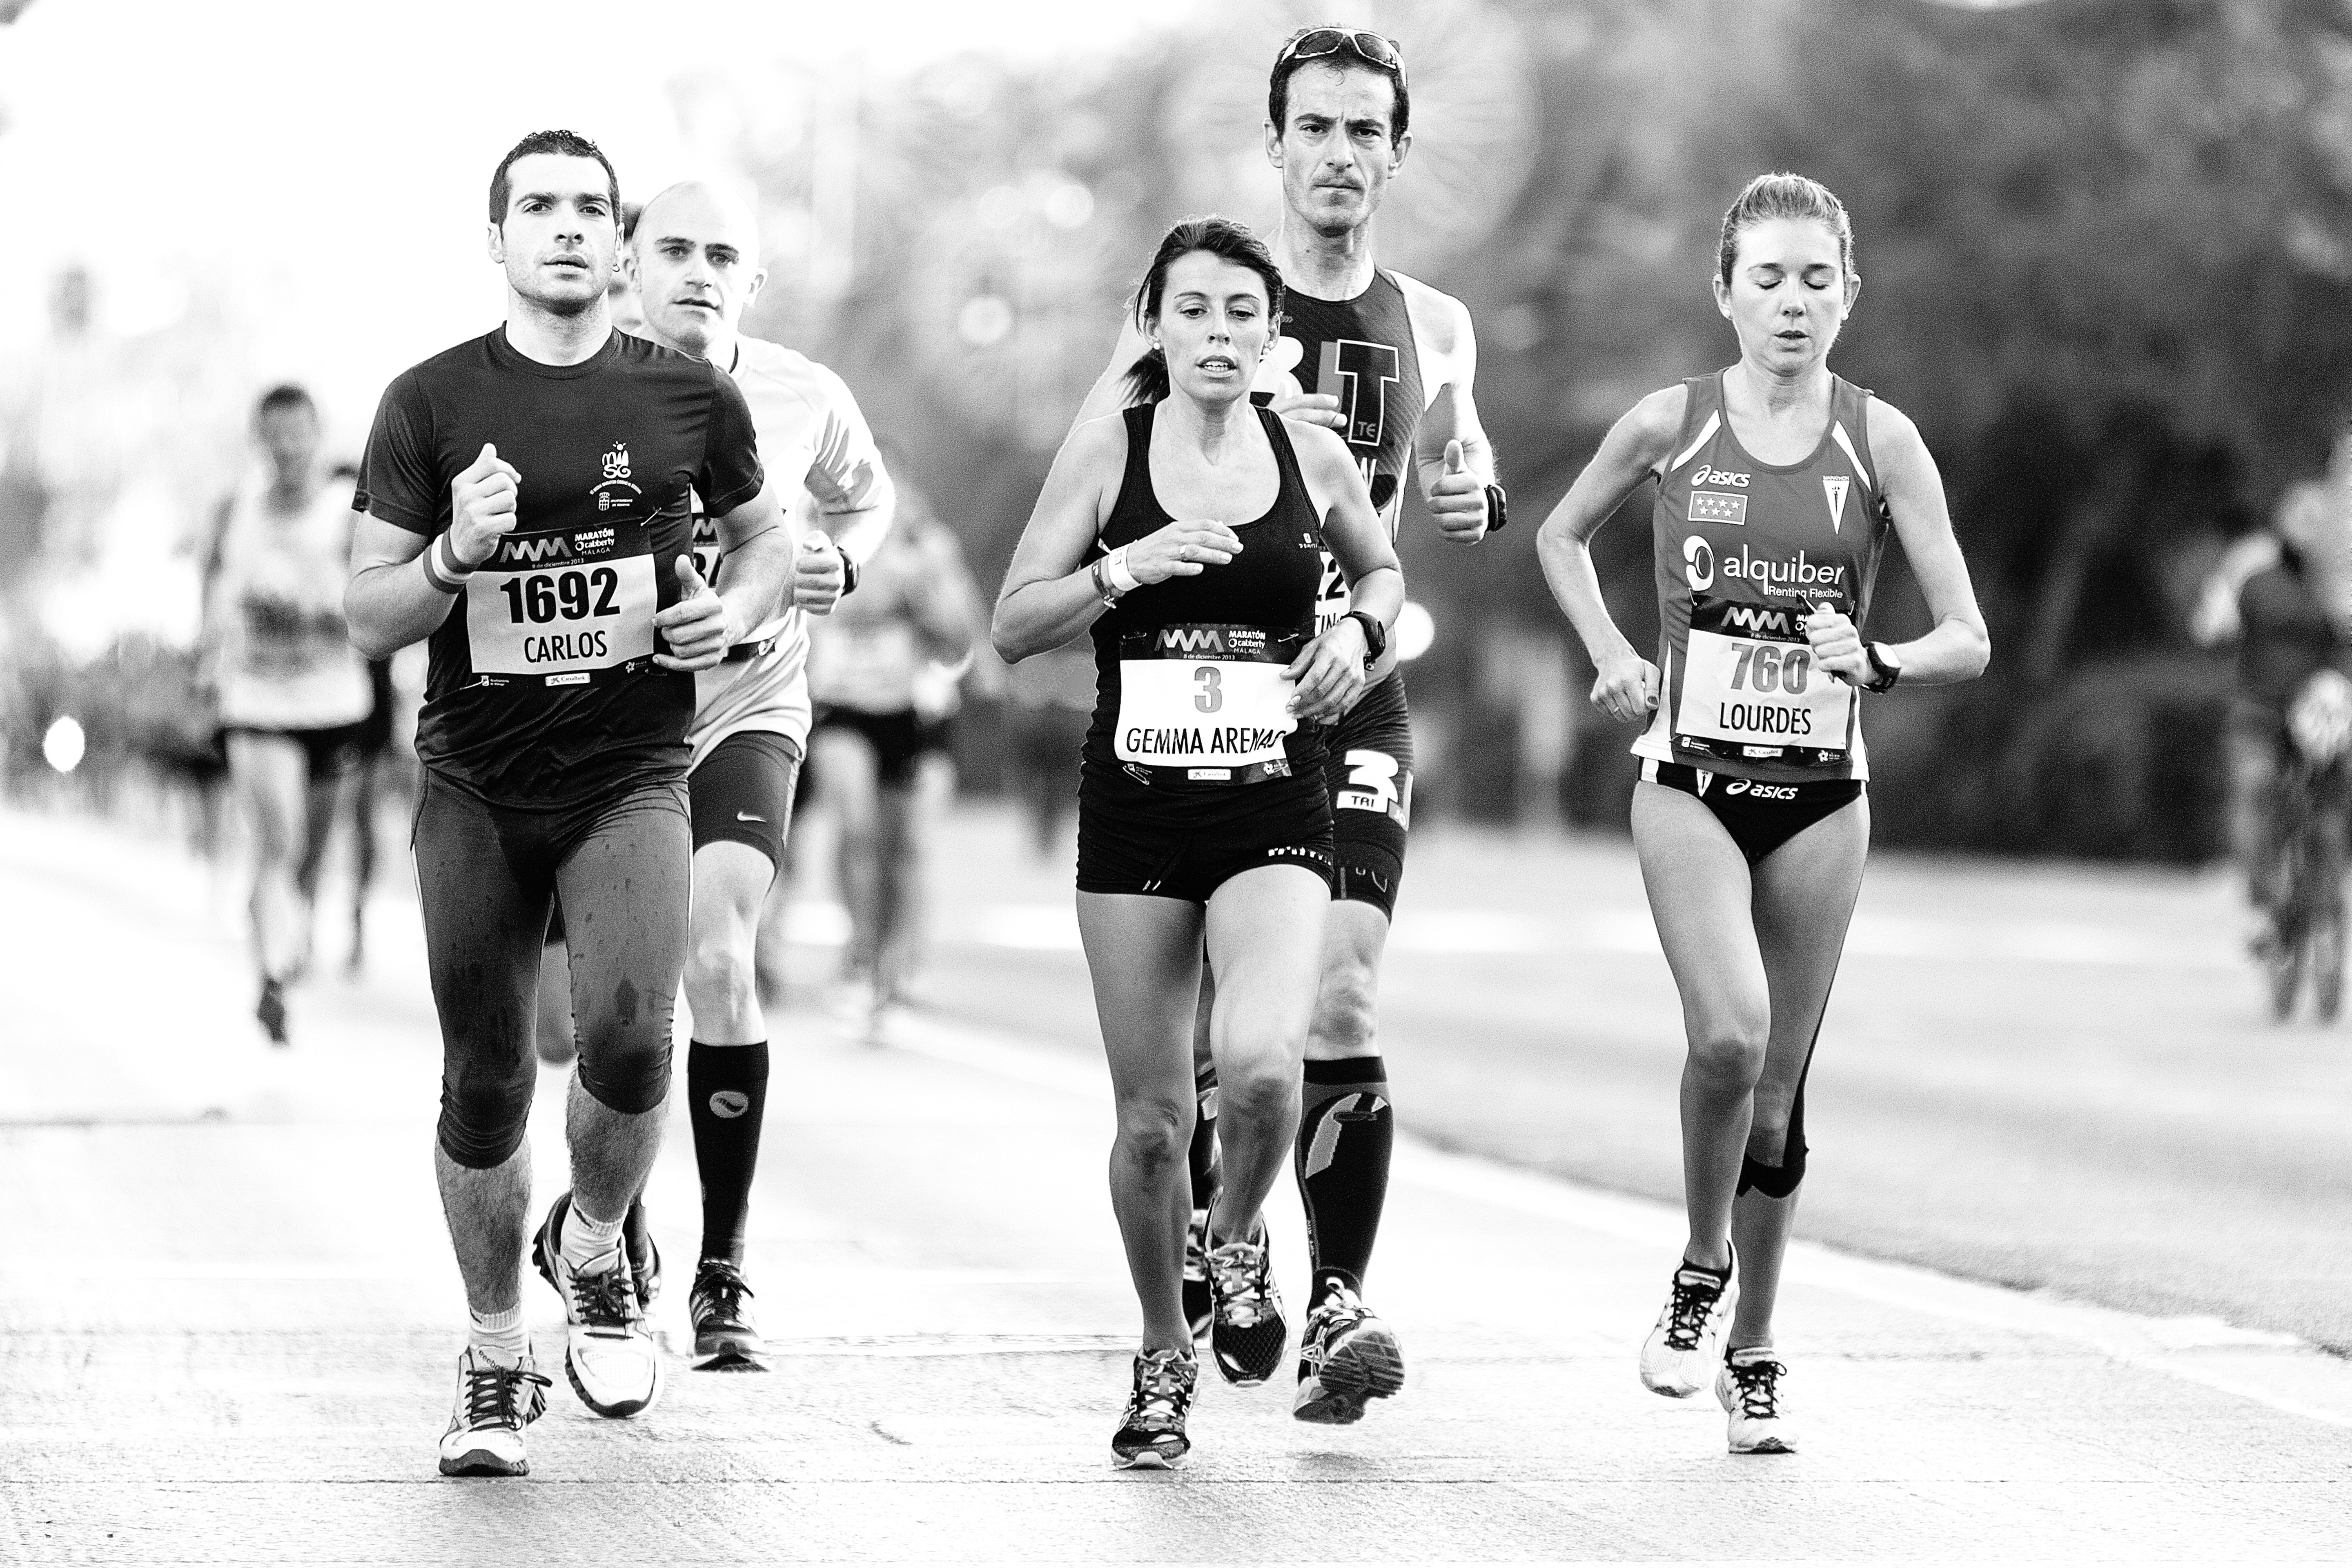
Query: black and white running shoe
[[1748, 1389], [494, 1404], [1150, 1433], [608, 1351], [1346, 1356], [644, 1258], [1247, 1333], [1685, 1346], [1200, 1302], [725, 1338]]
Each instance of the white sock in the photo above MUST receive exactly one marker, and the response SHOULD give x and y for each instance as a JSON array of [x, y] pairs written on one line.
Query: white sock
[[586, 1240], [499, 1336]]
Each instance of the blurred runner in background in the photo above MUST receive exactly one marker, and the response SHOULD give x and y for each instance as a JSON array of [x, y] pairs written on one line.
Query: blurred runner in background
[[294, 697], [915, 607], [1049, 700]]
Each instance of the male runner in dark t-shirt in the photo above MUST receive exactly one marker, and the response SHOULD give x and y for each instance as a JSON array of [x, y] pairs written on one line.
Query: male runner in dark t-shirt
[[525, 504], [1387, 362]]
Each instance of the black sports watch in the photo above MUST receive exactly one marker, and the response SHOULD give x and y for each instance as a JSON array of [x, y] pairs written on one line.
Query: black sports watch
[[1499, 509], [1376, 636], [848, 574], [1889, 667]]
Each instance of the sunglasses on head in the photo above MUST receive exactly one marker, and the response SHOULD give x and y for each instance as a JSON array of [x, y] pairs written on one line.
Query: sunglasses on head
[[1318, 42]]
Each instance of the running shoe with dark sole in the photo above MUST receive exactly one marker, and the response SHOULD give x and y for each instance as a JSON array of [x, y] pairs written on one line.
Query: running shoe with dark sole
[[1748, 1389], [1150, 1433], [644, 1258], [1199, 1301], [1247, 1331], [608, 1351], [270, 1012], [725, 1338], [1346, 1357], [494, 1404], [1685, 1346]]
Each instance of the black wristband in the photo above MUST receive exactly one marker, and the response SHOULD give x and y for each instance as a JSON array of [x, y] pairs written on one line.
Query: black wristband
[[1499, 509], [1376, 636]]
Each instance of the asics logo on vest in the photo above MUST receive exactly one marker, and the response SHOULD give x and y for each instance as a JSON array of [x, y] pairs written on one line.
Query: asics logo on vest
[[1706, 476]]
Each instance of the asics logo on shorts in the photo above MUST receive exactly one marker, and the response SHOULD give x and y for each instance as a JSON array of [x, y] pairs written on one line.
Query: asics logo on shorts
[[1760, 791], [730, 1103]]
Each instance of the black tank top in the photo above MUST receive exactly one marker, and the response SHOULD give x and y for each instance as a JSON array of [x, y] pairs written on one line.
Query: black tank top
[[1203, 714]]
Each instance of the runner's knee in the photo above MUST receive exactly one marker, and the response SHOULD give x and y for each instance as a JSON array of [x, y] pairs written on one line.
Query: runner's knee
[[1728, 1050], [720, 972], [1347, 1007], [1256, 1083], [1154, 1133], [625, 1045], [485, 1105]]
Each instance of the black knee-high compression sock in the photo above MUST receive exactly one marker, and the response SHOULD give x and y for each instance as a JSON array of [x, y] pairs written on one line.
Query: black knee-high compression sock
[[1202, 1157], [727, 1094], [1346, 1130]]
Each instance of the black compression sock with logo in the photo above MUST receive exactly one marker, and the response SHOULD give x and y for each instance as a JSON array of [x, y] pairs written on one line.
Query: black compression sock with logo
[[726, 1094], [1200, 1159], [1346, 1131]]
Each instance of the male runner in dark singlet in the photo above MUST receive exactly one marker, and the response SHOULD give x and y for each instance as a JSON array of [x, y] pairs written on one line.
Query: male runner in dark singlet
[[1387, 362], [526, 504]]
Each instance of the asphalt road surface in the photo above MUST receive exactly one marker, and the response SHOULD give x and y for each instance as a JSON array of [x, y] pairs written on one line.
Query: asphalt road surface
[[228, 1317]]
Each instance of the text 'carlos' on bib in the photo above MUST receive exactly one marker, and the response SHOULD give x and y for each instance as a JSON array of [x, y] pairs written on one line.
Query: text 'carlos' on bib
[[1207, 704], [561, 607]]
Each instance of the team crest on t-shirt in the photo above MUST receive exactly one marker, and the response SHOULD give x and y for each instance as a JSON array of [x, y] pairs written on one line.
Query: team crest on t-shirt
[[616, 493]]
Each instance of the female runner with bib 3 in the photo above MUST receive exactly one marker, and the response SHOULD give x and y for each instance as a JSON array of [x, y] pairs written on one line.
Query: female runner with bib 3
[[1777, 482], [1202, 807]]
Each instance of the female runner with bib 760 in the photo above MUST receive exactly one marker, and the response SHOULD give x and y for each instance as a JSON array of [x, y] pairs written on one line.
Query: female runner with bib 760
[[1201, 807], [1776, 481]]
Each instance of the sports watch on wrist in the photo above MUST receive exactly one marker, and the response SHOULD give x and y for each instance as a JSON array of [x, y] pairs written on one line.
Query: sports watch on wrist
[[1499, 509], [848, 574], [1889, 667], [1376, 636]]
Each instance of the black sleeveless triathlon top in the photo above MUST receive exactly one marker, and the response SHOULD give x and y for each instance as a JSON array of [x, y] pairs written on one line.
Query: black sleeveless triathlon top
[[1185, 691]]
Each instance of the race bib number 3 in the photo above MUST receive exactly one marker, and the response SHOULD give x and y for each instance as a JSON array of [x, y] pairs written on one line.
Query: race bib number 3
[[563, 624], [1211, 700], [1742, 692]]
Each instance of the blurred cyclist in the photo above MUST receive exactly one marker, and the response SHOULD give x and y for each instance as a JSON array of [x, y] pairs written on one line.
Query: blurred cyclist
[[294, 695]]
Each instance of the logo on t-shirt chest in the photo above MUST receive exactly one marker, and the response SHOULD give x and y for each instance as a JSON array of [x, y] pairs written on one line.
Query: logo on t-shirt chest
[[615, 492]]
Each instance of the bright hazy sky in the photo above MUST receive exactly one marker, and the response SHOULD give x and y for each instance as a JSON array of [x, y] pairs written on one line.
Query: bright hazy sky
[[333, 155]]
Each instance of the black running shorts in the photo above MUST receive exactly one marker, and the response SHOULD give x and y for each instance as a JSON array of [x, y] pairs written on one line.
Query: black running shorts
[[897, 738], [1368, 763], [485, 876], [1759, 817], [1133, 839], [328, 753], [744, 792]]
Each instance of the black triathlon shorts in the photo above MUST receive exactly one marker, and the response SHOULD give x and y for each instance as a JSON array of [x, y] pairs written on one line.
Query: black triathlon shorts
[[1134, 839], [744, 792], [1367, 765], [1759, 816]]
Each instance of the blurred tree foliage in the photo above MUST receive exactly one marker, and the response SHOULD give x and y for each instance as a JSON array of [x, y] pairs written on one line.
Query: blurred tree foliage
[[2106, 247]]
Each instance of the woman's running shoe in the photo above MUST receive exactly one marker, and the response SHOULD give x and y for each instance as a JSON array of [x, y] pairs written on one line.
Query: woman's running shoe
[[1685, 1346], [494, 1404], [725, 1338], [1247, 1331], [1346, 1356], [1150, 1433], [1199, 1303], [608, 1351], [1748, 1389]]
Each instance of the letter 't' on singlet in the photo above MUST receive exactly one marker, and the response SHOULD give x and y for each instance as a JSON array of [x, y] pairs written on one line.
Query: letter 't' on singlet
[[1362, 352], [1188, 672], [1743, 550], [542, 690]]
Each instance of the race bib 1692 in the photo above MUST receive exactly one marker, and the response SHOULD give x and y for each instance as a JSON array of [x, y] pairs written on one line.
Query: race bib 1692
[[562, 624]]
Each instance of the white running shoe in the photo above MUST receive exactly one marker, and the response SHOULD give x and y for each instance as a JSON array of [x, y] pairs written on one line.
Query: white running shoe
[[1748, 1389], [1685, 1345], [608, 1351], [494, 1404]]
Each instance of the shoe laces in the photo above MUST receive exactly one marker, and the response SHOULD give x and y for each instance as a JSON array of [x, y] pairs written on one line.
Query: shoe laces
[[502, 1396], [1238, 1271], [1336, 1312], [718, 1283], [1686, 1313], [1163, 1391], [1758, 1383], [606, 1300]]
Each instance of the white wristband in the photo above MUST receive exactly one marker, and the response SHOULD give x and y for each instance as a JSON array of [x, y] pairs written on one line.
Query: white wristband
[[1115, 564]]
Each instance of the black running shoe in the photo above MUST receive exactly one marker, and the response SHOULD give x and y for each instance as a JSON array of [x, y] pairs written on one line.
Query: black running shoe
[[1200, 1302], [271, 1011], [725, 1338], [644, 1258], [1346, 1356], [1247, 1333], [1150, 1433]]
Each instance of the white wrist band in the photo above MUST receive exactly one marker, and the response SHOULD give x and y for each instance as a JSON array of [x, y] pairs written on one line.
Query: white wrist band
[[1115, 564]]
